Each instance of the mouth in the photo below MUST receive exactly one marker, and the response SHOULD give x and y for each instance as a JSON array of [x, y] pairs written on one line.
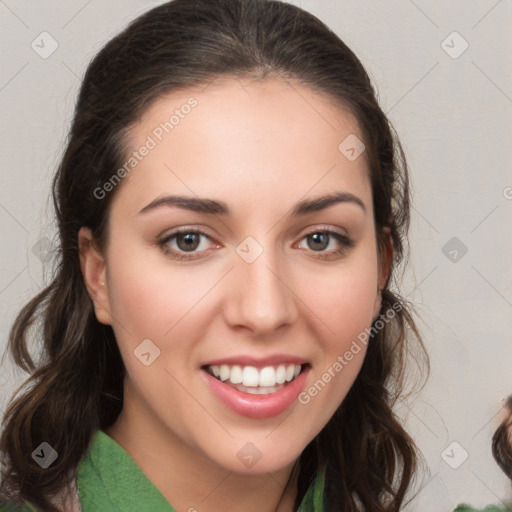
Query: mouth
[[256, 381]]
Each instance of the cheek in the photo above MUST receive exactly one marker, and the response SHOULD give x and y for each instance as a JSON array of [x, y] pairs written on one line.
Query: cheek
[[343, 353], [348, 310], [350, 302], [147, 299], [344, 302], [153, 302], [345, 299]]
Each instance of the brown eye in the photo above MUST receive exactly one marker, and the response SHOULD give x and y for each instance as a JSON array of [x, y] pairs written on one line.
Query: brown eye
[[319, 241], [184, 244], [188, 241]]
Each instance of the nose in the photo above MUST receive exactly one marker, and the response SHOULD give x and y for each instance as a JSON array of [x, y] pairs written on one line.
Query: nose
[[259, 297]]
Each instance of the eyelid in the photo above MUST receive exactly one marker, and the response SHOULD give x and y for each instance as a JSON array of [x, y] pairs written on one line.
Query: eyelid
[[346, 241], [185, 230], [162, 242], [324, 228], [315, 228]]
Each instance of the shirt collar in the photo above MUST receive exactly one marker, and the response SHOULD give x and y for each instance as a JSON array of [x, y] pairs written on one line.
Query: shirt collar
[[109, 479]]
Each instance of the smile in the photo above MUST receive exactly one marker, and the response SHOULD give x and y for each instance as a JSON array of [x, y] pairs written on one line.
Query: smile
[[248, 379], [256, 388]]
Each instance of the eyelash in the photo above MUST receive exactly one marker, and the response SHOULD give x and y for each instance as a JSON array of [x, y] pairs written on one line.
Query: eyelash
[[345, 241]]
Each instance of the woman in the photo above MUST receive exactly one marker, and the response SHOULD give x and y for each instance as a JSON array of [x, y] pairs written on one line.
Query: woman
[[220, 332]]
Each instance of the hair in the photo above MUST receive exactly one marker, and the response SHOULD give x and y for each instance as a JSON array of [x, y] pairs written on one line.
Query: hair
[[502, 441], [76, 385]]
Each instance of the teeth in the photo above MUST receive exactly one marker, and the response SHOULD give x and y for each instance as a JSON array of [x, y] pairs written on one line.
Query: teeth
[[289, 372], [258, 390], [224, 372], [236, 375], [280, 374], [251, 377], [267, 376]]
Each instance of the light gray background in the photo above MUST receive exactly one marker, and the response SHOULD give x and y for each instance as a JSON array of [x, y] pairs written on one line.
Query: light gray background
[[454, 119]]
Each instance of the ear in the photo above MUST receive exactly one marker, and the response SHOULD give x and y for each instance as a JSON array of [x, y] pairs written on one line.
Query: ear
[[385, 262], [92, 264]]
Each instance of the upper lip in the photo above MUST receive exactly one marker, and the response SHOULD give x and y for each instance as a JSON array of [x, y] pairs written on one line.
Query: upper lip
[[258, 362]]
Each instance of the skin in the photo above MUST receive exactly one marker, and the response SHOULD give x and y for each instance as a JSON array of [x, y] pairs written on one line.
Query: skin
[[259, 146]]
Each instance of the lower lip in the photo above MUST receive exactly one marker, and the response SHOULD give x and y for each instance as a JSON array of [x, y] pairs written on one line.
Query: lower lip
[[257, 406]]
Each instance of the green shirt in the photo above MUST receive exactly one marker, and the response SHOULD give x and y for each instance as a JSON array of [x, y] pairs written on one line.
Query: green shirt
[[109, 480]]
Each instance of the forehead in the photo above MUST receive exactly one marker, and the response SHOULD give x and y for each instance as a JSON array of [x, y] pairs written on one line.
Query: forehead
[[240, 138]]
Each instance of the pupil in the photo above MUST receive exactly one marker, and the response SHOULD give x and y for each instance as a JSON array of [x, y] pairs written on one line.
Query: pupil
[[190, 242], [319, 238]]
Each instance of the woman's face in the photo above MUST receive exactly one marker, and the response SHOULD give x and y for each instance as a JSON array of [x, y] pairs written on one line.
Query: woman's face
[[266, 278]]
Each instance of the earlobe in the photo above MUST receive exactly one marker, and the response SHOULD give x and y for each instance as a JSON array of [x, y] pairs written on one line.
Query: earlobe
[[92, 265]]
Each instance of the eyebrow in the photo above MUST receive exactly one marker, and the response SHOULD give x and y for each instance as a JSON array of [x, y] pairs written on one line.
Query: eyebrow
[[214, 207]]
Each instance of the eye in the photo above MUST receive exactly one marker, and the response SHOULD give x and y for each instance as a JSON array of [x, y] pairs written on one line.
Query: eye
[[182, 241], [320, 240], [188, 244]]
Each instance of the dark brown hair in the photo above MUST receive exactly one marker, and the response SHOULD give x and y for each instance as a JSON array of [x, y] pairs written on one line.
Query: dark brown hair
[[502, 441], [76, 384]]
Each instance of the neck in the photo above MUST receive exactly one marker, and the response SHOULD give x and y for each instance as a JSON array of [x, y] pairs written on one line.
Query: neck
[[192, 482]]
